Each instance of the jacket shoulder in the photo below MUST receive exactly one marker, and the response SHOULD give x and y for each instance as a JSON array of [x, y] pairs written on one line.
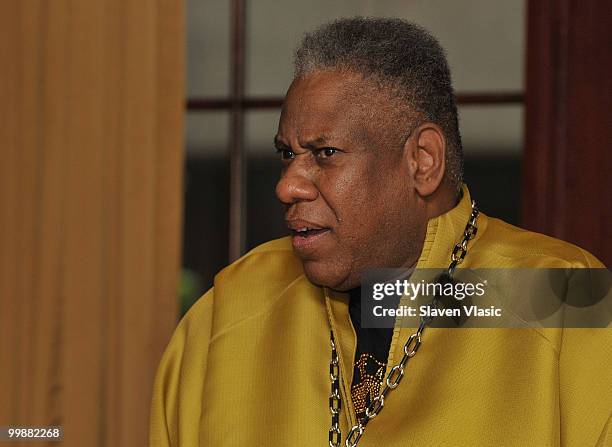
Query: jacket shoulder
[[523, 248], [282, 244], [271, 261], [251, 285]]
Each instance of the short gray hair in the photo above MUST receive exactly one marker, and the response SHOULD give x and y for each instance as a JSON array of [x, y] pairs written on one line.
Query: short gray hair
[[403, 57]]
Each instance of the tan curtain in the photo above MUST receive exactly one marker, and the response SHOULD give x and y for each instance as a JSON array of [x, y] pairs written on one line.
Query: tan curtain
[[91, 116]]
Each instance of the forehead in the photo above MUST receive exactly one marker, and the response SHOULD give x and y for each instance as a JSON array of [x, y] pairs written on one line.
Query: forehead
[[327, 103]]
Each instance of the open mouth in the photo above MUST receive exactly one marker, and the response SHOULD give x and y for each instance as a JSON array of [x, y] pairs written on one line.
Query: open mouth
[[303, 237], [307, 232]]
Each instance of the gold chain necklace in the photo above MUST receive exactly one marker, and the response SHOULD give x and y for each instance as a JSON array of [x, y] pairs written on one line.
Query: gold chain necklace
[[397, 372]]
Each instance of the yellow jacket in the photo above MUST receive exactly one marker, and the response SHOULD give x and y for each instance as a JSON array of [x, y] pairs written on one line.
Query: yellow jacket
[[249, 364]]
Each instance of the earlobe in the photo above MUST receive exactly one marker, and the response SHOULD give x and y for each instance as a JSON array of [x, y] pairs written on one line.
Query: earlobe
[[429, 156]]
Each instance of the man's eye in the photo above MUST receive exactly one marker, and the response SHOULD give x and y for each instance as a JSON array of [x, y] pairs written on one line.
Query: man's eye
[[326, 152], [286, 154]]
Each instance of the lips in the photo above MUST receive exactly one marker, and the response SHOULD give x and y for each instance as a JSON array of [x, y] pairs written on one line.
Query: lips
[[306, 234]]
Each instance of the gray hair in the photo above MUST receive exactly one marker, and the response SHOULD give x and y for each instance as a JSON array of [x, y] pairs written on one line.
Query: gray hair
[[402, 57]]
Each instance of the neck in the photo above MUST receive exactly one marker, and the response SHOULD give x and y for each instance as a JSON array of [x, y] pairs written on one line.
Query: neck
[[443, 200]]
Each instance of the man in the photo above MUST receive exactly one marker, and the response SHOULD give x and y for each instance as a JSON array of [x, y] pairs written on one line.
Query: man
[[275, 354]]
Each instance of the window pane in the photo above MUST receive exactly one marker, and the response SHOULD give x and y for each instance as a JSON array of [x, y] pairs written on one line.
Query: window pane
[[484, 38], [208, 48], [491, 130], [206, 195], [493, 146], [264, 212], [207, 133]]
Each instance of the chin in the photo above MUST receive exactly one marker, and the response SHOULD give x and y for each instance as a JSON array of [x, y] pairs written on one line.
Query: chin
[[326, 274]]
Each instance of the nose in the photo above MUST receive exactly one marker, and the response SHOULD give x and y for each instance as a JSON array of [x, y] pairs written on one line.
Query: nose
[[295, 185]]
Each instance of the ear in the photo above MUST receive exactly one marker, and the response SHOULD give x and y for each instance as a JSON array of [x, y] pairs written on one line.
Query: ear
[[428, 155]]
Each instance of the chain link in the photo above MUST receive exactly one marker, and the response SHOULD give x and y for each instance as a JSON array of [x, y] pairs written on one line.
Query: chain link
[[335, 402], [397, 372]]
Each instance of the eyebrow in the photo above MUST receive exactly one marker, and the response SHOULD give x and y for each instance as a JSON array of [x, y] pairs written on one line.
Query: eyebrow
[[312, 144], [278, 144]]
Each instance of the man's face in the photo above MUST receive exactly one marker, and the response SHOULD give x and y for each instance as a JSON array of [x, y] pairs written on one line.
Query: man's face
[[349, 198]]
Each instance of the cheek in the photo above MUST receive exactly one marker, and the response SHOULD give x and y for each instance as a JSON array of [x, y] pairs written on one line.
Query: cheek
[[349, 189], [370, 197], [373, 214]]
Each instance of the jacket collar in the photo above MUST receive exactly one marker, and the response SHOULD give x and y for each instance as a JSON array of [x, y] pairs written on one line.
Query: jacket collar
[[444, 231]]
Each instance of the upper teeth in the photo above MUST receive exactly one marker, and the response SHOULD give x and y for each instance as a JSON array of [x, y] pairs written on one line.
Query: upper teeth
[[300, 230]]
